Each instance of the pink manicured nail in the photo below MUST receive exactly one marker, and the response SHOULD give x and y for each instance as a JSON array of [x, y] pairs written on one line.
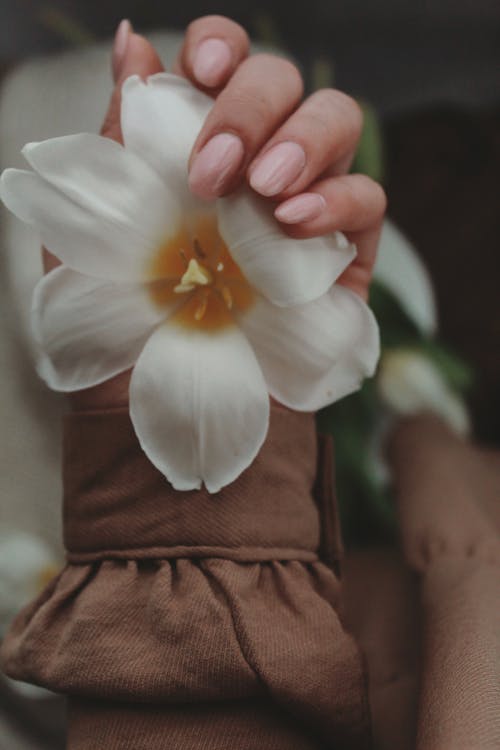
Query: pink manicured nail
[[278, 168], [120, 45], [303, 207], [212, 60], [216, 163]]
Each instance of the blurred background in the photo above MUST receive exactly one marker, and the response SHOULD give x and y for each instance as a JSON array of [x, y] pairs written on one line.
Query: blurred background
[[429, 77]]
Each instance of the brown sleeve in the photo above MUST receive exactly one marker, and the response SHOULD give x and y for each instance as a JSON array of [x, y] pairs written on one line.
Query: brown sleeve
[[207, 620], [449, 507], [428, 616]]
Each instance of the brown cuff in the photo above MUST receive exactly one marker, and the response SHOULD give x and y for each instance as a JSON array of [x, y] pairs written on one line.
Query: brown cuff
[[116, 504], [192, 599]]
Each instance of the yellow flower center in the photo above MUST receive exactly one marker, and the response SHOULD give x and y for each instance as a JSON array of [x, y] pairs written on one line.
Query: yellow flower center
[[197, 265]]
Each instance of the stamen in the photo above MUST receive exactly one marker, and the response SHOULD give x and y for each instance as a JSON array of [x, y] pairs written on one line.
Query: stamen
[[198, 249], [201, 308], [227, 297], [195, 267]]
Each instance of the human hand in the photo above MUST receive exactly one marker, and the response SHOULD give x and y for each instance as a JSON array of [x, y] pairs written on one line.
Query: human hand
[[258, 106]]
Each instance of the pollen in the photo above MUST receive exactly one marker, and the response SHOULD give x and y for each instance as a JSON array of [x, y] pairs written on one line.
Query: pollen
[[196, 275], [195, 272]]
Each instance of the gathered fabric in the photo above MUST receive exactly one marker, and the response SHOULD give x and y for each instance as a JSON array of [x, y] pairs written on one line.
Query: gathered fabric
[[174, 607]]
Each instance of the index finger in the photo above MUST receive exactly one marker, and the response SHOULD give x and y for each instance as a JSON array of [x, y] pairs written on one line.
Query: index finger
[[213, 48]]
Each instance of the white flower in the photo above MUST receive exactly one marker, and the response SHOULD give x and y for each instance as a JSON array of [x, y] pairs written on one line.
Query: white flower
[[214, 305], [26, 566], [401, 270], [409, 383]]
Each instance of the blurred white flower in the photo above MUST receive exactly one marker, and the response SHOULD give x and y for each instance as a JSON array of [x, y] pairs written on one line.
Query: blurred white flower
[[409, 383], [400, 268], [214, 305], [26, 566]]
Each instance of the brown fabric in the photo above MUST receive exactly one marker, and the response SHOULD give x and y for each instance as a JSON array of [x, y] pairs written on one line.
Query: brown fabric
[[228, 725], [381, 606], [117, 504], [186, 601], [430, 628], [449, 507], [331, 549], [195, 640]]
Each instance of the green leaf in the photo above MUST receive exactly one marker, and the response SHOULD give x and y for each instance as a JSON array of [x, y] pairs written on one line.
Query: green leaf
[[396, 326], [65, 26], [369, 157], [458, 374]]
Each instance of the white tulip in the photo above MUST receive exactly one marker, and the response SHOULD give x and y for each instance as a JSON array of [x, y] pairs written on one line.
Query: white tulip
[[211, 303]]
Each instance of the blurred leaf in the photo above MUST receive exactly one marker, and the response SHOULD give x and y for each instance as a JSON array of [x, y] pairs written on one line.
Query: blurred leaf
[[322, 74], [266, 32], [366, 511], [64, 26], [369, 157], [396, 326], [458, 374]]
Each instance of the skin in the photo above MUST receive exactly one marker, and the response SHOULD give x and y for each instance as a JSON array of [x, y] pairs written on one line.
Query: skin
[[259, 99]]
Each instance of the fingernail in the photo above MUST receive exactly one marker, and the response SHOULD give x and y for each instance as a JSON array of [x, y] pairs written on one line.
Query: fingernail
[[212, 60], [303, 207], [120, 45], [278, 168], [216, 163]]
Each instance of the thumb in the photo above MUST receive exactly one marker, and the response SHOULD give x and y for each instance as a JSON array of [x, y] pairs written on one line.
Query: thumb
[[132, 55]]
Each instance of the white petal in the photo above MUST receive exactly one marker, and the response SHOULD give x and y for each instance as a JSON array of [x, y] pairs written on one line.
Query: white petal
[[286, 271], [316, 353], [160, 120], [199, 405], [400, 268], [99, 208], [87, 329], [410, 383]]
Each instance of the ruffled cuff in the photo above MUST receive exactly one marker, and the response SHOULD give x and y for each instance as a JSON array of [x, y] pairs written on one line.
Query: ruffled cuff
[[189, 598]]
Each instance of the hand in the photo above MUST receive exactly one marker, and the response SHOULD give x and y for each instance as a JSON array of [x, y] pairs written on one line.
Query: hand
[[296, 154]]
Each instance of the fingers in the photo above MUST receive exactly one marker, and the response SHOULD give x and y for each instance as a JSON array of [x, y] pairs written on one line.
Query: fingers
[[213, 48], [326, 128], [132, 54], [348, 203], [353, 204], [262, 93], [284, 154], [357, 277]]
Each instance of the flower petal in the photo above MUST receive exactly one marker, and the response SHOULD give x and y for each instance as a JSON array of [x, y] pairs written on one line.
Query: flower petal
[[160, 120], [400, 268], [316, 353], [99, 208], [286, 271], [410, 383], [87, 329], [199, 405]]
